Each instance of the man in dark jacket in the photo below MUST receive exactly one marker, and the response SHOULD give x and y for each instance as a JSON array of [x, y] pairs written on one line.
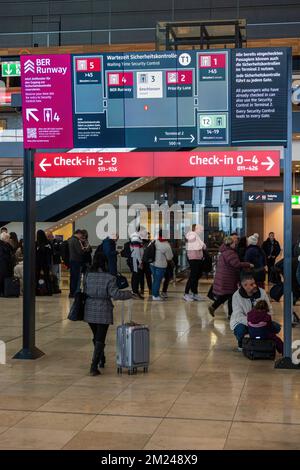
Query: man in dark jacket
[[272, 249], [76, 251], [109, 247]]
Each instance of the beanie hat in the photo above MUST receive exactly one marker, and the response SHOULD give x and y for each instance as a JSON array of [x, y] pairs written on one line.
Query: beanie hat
[[253, 239]]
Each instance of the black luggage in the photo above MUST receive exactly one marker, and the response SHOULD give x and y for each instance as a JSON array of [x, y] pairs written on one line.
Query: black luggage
[[11, 287], [276, 292], [259, 349]]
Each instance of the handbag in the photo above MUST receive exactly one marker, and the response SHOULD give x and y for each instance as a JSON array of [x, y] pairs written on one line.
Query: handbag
[[122, 282], [77, 308], [206, 264]]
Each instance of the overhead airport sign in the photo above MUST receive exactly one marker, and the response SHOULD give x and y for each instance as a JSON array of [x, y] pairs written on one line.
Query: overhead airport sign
[[156, 100], [157, 164], [263, 197]]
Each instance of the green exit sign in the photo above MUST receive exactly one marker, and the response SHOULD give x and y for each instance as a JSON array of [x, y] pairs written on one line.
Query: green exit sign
[[11, 69], [295, 200]]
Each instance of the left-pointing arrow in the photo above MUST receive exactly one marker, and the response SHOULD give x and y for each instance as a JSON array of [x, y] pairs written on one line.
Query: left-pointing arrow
[[43, 164], [30, 113]]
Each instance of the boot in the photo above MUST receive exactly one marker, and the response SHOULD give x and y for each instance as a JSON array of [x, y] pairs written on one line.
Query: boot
[[102, 359], [98, 351]]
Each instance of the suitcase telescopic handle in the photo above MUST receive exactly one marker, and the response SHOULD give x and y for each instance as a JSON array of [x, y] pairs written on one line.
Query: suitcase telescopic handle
[[129, 311]]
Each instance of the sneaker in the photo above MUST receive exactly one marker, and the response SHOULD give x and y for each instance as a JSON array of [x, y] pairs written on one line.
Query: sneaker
[[198, 298], [240, 349], [211, 310], [164, 295], [157, 298], [188, 298], [135, 295]]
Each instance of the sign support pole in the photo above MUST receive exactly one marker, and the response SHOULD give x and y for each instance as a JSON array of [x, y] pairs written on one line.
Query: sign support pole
[[29, 350], [286, 361]]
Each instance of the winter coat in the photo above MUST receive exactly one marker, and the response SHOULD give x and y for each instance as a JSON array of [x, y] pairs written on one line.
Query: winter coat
[[259, 323], [163, 254], [256, 256], [242, 304], [271, 249], [76, 249], [6, 260], [100, 288], [194, 246], [228, 271]]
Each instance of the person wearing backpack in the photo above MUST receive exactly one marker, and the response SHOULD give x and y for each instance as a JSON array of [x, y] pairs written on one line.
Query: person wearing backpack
[[163, 255], [135, 263]]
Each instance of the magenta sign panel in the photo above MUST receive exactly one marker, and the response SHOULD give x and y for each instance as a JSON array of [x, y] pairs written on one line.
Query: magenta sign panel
[[47, 101]]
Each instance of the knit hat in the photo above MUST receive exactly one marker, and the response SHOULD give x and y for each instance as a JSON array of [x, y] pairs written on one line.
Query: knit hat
[[253, 239]]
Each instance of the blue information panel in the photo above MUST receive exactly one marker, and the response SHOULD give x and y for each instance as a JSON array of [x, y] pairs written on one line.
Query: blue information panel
[[178, 99]]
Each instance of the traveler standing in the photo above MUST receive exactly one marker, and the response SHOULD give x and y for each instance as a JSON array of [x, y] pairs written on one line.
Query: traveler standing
[[100, 287], [109, 248], [146, 270], [163, 255], [136, 263], [87, 251], [56, 255], [194, 250], [241, 248], [271, 248], [256, 256], [76, 256], [227, 275], [6, 259], [43, 261]]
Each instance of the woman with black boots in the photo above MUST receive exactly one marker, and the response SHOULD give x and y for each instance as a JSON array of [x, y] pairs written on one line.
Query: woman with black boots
[[100, 287]]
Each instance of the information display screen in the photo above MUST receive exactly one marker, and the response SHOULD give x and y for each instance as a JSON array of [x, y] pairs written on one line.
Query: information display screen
[[156, 100]]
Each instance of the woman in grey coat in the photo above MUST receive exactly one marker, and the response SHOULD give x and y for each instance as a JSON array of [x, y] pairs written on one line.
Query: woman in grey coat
[[100, 288]]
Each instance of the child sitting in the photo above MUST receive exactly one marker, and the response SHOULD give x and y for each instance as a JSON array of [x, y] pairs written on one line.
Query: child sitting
[[260, 324]]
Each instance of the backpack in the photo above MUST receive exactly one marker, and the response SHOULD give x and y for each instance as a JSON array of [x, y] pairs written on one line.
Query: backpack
[[126, 252], [150, 252], [65, 252]]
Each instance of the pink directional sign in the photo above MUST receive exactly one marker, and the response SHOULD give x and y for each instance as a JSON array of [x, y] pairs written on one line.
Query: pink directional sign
[[47, 101]]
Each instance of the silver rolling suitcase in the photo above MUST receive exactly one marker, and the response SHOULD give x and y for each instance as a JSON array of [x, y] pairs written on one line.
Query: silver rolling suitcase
[[133, 344]]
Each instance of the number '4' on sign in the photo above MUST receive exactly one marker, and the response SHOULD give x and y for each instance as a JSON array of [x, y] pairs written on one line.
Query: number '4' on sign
[[56, 117], [255, 160]]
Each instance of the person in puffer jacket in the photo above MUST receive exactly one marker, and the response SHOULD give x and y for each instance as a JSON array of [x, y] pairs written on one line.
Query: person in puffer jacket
[[227, 275], [194, 251], [260, 324]]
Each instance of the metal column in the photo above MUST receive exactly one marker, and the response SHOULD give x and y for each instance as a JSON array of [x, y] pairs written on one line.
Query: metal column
[[29, 350]]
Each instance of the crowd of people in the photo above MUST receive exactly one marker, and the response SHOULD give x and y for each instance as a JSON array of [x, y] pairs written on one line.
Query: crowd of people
[[239, 278]]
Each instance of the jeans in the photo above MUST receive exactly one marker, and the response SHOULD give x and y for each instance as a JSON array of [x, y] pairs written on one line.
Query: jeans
[[75, 273], [241, 330], [195, 274], [158, 274]]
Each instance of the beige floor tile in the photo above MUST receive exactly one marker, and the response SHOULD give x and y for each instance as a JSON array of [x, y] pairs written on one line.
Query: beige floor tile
[[23, 403], [262, 436], [179, 434], [10, 418], [123, 424], [139, 408], [34, 439], [55, 421], [277, 410], [90, 440]]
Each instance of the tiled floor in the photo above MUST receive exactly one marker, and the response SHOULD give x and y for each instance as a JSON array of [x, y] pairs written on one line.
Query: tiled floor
[[200, 393]]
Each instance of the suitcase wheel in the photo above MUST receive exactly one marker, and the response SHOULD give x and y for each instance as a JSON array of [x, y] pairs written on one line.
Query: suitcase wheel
[[135, 370], [145, 370], [119, 370]]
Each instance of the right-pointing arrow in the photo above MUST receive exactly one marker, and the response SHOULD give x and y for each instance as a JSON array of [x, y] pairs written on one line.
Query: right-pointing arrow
[[270, 163], [43, 164]]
